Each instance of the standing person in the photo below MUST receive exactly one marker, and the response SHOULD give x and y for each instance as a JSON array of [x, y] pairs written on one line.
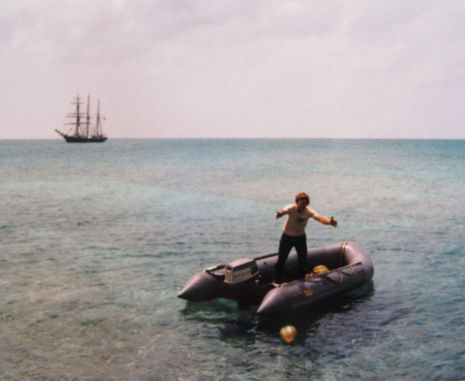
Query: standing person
[[294, 232]]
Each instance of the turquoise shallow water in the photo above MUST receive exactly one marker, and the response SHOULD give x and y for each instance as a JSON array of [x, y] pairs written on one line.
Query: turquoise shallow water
[[97, 240]]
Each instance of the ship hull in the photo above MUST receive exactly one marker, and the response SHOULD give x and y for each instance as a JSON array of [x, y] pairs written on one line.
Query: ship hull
[[79, 139]]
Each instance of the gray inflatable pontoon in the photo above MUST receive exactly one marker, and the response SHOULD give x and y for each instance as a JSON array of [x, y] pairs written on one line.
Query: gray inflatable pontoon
[[249, 281]]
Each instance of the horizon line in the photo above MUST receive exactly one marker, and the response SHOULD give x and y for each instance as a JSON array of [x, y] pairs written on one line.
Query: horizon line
[[251, 138]]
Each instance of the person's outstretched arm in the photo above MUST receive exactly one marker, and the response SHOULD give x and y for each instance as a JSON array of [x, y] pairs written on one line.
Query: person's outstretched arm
[[281, 212], [325, 220]]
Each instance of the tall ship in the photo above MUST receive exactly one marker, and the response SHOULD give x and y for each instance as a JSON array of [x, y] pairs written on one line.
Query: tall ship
[[83, 130]]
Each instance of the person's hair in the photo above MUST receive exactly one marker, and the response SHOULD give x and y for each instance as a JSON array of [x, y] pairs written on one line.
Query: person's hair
[[302, 196]]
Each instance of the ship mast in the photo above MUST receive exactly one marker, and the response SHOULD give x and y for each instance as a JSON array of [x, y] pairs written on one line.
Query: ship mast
[[88, 116], [77, 116], [98, 124]]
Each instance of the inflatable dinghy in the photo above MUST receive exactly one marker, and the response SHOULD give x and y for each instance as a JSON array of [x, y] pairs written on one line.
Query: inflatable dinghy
[[250, 281]]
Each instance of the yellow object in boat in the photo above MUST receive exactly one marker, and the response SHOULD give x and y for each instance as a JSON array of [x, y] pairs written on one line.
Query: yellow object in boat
[[320, 269]]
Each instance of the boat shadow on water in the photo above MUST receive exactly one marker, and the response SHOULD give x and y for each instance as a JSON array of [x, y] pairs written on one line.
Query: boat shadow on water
[[234, 322]]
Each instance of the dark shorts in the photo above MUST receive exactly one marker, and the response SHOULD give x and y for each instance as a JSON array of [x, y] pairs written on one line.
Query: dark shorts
[[286, 243]]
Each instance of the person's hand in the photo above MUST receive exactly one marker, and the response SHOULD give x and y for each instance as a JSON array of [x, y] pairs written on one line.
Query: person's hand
[[278, 214], [333, 222]]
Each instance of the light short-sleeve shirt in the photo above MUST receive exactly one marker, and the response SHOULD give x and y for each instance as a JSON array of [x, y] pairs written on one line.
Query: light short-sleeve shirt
[[296, 222]]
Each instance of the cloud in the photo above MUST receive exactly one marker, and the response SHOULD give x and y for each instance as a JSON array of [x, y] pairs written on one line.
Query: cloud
[[238, 68]]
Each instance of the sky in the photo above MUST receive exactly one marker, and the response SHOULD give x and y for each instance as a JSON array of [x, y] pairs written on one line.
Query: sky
[[235, 68]]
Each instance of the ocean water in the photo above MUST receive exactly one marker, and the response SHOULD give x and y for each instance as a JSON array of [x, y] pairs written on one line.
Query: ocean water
[[97, 240]]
